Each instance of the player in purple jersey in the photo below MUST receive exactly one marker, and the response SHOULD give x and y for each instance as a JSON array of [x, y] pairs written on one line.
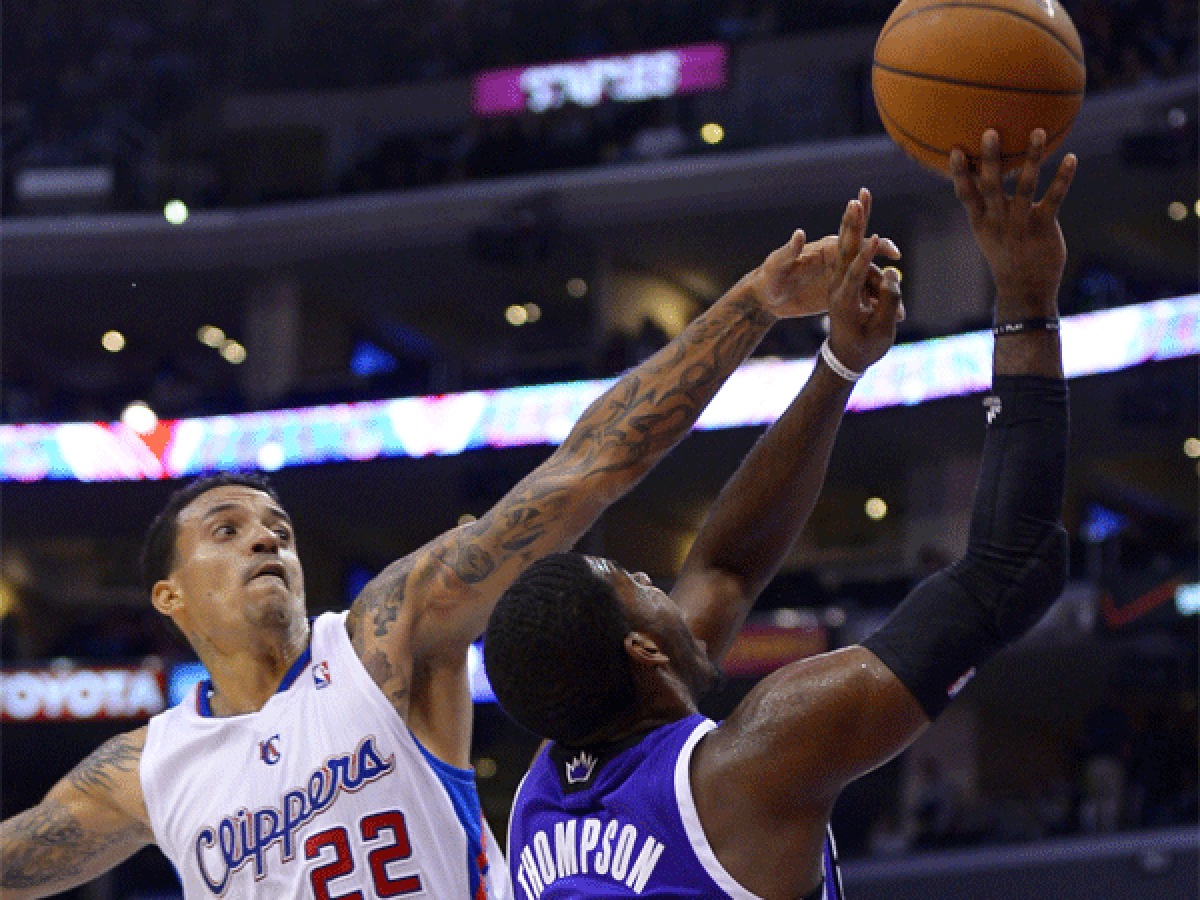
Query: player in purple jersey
[[637, 794], [222, 564]]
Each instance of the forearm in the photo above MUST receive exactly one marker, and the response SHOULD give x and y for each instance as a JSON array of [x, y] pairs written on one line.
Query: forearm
[[619, 438], [47, 850], [761, 509], [1016, 559], [629, 428]]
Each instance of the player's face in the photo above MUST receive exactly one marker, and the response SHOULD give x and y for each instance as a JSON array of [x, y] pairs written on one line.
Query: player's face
[[236, 568], [651, 610]]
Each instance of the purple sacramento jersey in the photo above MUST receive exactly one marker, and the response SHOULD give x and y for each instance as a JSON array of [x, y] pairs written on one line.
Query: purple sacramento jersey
[[621, 822]]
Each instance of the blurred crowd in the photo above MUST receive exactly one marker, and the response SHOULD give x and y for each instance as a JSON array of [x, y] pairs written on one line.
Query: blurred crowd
[[99, 82], [1130, 763]]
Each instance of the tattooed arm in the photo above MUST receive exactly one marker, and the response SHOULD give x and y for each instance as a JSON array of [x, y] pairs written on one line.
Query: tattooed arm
[[412, 624], [92, 820]]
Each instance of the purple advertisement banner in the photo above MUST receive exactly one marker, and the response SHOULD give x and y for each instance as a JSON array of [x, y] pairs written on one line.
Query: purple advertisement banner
[[587, 82]]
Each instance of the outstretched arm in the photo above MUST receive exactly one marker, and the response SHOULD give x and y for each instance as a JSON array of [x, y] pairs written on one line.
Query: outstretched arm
[[426, 608], [809, 729], [88, 823], [762, 508]]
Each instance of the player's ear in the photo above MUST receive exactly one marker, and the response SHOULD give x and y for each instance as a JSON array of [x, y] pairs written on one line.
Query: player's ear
[[644, 649], [165, 597]]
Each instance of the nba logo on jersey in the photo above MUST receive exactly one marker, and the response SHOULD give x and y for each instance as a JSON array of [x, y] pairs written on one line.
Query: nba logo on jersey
[[580, 768], [268, 750], [321, 674]]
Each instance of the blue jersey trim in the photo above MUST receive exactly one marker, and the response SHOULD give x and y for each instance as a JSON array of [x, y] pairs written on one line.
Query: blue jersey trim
[[460, 788], [205, 688], [290, 676]]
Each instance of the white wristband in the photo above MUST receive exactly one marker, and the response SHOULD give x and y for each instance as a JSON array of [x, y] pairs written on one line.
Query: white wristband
[[837, 366]]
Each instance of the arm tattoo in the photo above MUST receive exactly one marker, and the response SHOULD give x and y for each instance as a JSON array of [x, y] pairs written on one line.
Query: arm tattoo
[[383, 673], [379, 602], [48, 845], [379, 605], [524, 517], [646, 414], [371, 617], [384, 605], [624, 433], [118, 755]]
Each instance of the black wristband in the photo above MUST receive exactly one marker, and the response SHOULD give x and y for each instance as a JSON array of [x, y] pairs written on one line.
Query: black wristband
[[1039, 324]]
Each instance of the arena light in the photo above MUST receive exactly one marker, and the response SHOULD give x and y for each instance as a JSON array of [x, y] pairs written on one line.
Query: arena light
[[210, 336], [139, 417], [1187, 599], [113, 341], [175, 212], [8, 597], [233, 352], [712, 133], [271, 456]]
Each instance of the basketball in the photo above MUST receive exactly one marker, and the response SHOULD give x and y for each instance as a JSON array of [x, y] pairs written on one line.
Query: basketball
[[944, 72]]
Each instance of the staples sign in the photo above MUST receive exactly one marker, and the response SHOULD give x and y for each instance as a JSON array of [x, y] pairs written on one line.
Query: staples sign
[[587, 82], [74, 694]]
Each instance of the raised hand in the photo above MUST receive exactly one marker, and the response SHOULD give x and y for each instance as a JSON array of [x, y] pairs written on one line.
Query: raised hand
[[864, 302], [1020, 238], [799, 278]]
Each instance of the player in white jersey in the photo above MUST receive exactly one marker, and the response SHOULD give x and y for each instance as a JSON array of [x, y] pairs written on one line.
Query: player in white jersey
[[332, 760]]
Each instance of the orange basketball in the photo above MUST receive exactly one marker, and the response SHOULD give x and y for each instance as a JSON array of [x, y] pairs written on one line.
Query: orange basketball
[[943, 72]]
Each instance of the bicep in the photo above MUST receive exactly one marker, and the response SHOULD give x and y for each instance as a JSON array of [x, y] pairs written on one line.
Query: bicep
[[437, 600], [814, 726], [89, 822]]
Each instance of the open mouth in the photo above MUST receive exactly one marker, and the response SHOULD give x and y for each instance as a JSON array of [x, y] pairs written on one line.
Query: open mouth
[[273, 570]]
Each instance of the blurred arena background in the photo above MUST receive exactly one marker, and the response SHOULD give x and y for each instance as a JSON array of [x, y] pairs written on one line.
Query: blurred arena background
[[217, 209]]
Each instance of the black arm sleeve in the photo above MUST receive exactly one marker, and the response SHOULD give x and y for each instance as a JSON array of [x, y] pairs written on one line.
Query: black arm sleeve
[[1016, 558]]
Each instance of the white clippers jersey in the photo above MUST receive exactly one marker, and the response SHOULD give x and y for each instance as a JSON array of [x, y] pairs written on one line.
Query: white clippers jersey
[[324, 793]]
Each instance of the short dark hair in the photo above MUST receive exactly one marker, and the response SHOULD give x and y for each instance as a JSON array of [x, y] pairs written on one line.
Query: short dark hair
[[158, 546], [554, 650]]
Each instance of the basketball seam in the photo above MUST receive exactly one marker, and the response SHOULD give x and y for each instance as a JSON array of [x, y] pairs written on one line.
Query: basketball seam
[[962, 82], [1000, 9], [946, 153]]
